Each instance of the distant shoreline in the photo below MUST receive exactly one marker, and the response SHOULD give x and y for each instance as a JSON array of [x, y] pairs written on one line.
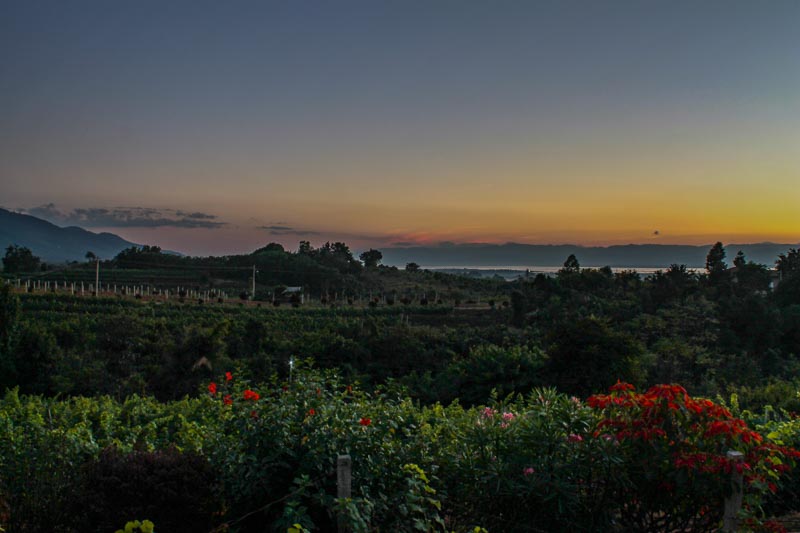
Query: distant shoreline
[[510, 273]]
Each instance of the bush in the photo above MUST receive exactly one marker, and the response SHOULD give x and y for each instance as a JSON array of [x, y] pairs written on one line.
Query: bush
[[177, 491], [652, 461], [674, 451]]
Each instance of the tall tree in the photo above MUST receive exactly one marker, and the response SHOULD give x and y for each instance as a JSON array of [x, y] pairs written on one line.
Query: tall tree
[[715, 260], [739, 261]]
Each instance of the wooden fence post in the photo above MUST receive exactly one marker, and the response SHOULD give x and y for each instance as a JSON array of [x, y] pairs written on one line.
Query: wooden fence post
[[344, 479], [733, 503]]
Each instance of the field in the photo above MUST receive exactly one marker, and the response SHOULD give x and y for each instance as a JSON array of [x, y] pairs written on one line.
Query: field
[[489, 413]]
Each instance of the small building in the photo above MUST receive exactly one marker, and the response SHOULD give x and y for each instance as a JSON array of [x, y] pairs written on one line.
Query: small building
[[291, 295]]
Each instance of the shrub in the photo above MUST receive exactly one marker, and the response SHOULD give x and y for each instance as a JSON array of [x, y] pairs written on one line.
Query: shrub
[[178, 491], [674, 451]]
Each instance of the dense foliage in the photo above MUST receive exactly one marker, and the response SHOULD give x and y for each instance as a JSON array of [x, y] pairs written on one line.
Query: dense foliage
[[579, 331], [513, 454], [243, 457]]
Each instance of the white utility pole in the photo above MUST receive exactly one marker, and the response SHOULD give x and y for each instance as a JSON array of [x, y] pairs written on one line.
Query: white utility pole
[[97, 276]]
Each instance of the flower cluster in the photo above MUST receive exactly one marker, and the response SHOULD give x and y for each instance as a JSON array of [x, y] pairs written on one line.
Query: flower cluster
[[681, 445], [227, 399], [250, 395]]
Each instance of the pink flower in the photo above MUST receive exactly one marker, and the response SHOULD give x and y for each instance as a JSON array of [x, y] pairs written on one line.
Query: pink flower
[[488, 412], [508, 416], [574, 437], [528, 471]]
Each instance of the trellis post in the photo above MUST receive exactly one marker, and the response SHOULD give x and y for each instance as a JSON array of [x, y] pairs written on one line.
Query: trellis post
[[733, 503], [344, 479]]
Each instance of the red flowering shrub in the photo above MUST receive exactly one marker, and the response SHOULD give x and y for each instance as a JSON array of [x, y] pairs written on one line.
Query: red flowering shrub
[[674, 450]]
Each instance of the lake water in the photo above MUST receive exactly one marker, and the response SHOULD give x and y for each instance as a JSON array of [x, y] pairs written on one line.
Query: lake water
[[513, 272]]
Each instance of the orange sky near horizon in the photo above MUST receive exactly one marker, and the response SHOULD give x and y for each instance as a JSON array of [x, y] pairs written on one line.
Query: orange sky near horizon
[[375, 123]]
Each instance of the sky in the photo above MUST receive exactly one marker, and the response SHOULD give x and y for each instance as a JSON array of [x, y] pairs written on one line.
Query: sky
[[214, 127]]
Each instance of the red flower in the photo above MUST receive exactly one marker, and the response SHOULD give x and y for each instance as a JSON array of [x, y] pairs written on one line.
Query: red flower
[[311, 412], [251, 395], [212, 388], [228, 376], [227, 399], [365, 422], [621, 386]]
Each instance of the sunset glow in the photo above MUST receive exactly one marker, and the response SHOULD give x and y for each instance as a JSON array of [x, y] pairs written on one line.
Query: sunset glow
[[540, 122]]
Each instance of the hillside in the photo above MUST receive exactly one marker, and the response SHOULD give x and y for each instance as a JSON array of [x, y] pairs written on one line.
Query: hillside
[[53, 243]]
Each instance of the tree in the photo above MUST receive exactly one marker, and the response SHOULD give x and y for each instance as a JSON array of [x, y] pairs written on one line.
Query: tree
[[412, 267], [715, 260], [788, 264], [571, 265], [749, 278], [739, 261], [20, 259], [588, 355], [90, 256], [716, 267], [271, 247], [371, 258], [138, 256], [305, 248]]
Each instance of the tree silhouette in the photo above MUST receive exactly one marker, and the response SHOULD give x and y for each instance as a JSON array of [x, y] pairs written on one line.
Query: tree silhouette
[[20, 259], [789, 263], [715, 260], [371, 258], [571, 265]]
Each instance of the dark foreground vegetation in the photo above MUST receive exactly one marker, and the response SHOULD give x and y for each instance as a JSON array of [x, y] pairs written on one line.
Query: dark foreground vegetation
[[110, 405]]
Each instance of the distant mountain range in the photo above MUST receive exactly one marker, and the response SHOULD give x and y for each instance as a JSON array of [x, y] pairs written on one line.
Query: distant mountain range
[[522, 256], [56, 244], [53, 243]]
